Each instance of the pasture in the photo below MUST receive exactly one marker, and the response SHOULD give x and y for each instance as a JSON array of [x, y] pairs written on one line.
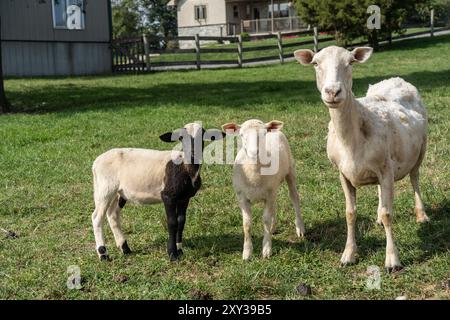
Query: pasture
[[60, 125]]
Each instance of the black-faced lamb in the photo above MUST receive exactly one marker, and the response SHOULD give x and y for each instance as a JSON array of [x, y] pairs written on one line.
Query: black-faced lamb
[[144, 176]]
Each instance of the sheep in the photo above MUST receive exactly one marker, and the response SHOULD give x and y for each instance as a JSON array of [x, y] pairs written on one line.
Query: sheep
[[377, 139], [145, 176], [252, 184]]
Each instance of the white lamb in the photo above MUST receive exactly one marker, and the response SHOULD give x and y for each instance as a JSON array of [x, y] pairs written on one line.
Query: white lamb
[[253, 180]]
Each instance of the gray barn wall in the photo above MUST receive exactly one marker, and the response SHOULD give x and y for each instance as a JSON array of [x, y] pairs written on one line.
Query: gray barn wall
[[32, 47]]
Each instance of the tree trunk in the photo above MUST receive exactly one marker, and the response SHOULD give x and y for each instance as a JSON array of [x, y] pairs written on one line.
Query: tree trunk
[[373, 39], [4, 104]]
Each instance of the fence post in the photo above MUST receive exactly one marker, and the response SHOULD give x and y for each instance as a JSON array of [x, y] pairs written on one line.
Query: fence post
[[240, 51], [147, 52], [316, 40], [280, 47], [432, 23], [197, 51]]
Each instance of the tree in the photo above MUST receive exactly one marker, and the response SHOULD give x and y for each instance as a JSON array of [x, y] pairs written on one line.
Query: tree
[[441, 12], [4, 104], [348, 18], [126, 19], [135, 17], [160, 19]]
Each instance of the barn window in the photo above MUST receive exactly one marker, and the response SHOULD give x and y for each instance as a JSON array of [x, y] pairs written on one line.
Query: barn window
[[68, 14], [200, 12]]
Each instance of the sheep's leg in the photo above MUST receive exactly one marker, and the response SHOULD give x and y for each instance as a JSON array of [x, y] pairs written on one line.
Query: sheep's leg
[[181, 218], [268, 217], [113, 215], [291, 182], [172, 226], [349, 254], [379, 221], [418, 207], [245, 206], [98, 218], [392, 262]]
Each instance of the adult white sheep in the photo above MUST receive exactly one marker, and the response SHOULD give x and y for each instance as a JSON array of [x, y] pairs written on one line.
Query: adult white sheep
[[261, 165], [377, 139], [145, 176]]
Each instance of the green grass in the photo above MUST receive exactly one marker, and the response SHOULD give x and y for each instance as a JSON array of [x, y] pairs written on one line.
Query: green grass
[[47, 148]]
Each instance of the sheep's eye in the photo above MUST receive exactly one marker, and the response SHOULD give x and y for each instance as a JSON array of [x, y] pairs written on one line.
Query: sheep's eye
[[315, 64]]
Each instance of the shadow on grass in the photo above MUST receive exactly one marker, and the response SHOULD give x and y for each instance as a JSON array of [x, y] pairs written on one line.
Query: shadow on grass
[[329, 234], [416, 43], [67, 99], [435, 234]]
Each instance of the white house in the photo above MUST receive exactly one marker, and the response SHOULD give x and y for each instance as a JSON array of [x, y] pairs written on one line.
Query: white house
[[231, 17]]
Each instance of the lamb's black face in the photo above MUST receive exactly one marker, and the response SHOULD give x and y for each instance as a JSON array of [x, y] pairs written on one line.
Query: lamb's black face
[[192, 138]]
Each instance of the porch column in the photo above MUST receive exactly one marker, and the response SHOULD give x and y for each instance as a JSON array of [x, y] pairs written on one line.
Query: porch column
[[272, 14]]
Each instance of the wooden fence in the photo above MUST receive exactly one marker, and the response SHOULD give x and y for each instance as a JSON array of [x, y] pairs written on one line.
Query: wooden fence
[[136, 55]]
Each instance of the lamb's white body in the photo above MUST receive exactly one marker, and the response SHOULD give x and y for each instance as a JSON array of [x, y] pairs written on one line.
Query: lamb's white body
[[251, 186], [135, 174], [145, 176], [377, 139]]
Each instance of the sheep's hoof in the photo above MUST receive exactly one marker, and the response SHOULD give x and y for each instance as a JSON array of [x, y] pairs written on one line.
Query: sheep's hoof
[[125, 248], [422, 218], [102, 253], [173, 257], [180, 252], [347, 264], [394, 269], [105, 257]]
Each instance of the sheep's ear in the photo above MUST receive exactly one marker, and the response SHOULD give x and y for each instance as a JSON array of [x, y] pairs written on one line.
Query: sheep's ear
[[304, 56], [170, 137], [362, 54], [231, 128], [274, 125], [213, 135]]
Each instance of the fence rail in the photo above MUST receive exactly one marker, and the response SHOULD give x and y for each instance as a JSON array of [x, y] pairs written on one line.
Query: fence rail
[[135, 55]]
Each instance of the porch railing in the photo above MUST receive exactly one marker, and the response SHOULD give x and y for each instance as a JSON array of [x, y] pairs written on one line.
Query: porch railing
[[274, 25]]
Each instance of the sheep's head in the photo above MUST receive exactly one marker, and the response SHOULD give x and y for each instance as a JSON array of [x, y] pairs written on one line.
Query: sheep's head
[[333, 67], [253, 135], [192, 137]]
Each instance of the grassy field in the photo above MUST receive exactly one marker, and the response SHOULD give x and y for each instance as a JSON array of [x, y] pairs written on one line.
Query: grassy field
[[60, 125]]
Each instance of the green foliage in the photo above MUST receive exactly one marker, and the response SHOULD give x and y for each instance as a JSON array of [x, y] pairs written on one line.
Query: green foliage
[[441, 12], [134, 17], [348, 18], [125, 19], [160, 19], [245, 35]]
